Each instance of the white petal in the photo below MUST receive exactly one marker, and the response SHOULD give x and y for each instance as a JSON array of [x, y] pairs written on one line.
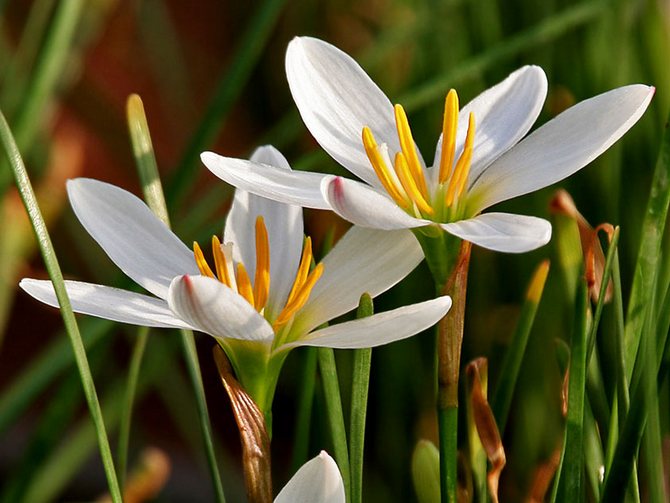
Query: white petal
[[364, 260], [137, 242], [336, 99], [380, 328], [294, 187], [109, 303], [362, 205], [285, 233], [503, 232], [562, 146], [213, 308], [317, 481]]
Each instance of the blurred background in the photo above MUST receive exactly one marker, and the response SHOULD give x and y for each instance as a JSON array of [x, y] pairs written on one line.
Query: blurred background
[[211, 76]]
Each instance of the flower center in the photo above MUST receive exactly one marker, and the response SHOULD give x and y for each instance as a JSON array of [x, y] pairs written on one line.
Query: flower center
[[406, 182], [235, 276]]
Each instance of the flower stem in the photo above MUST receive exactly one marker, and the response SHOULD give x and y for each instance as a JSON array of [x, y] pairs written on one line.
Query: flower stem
[[331, 391], [450, 337], [51, 262], [359, 402], [304, 413]]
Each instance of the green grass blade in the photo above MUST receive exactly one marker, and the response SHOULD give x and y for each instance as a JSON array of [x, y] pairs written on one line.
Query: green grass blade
[[502, 396], [51, 262], [331, 392], [153, 193], [646, 268], [359, 403], [228, 89], [304, 413]]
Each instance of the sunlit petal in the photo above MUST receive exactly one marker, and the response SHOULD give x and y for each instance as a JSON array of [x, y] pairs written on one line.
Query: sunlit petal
[[317, 481], [213, 308], [503, 232], [109, 303], [562, 146], [292, 187], [137, 242], [380, 328]]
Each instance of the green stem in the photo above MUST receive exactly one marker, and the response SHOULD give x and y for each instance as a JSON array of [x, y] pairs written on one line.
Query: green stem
[[304, 414], [51, 262], [448, 431], [331, 391], [359, 402], [131, 388]]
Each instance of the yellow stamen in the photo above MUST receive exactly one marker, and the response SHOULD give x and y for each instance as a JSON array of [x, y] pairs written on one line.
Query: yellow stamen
[[379, 165], [244, 284], [300, 298], [409, 149], [462, 169], [201, 262], [408, 183], [220, 262], [449, 129], [303, 270], [262, 278]]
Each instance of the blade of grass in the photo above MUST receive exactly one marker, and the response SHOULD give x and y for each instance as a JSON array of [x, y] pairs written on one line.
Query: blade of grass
[[331, 391], [502, 396], [304, 412], [359, 403], [153, 193], [647, 265], [228, 90], [51, 262]]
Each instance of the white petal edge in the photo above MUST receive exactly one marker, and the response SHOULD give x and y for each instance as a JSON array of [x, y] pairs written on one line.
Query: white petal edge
[[108, 303], [363, 205], [292, 187], [285, 233], [130, 234], [561, 147], [336, 99], [364, 260], [317, 481], [504, 232], [379, 329], [503, 114], [213, 308]]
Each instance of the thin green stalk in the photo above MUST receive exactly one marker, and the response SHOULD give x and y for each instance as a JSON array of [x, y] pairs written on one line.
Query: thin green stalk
[[51, 262], [131, 386], [448, 432], [228, 89], [571, 482], [331, 391], [153, 193], [304, 412], [359, 403], [502, 396]]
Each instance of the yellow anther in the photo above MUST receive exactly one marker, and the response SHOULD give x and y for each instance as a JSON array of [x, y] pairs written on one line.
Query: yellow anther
[[244, 284], [409, 149], [201, 262], [220, 262], [300, 298], [408, 183], [262, 277], [303, 270], [382, 171], [449, 130], [462, 169]]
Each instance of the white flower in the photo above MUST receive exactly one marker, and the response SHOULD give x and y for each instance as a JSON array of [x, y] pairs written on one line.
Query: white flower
[[484, 160], [261, 300], [317, 481]]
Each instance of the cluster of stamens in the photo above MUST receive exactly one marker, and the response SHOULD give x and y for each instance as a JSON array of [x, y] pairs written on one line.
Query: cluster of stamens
[[406, 182], [235, 276]]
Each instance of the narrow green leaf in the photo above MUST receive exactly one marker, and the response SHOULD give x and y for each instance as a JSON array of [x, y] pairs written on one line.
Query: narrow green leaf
[[304, 413], [359, 403], [51, 262]]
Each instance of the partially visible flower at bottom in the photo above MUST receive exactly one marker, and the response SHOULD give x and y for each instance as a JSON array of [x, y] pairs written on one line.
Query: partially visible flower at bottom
[[317, 481], [260, 300]]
